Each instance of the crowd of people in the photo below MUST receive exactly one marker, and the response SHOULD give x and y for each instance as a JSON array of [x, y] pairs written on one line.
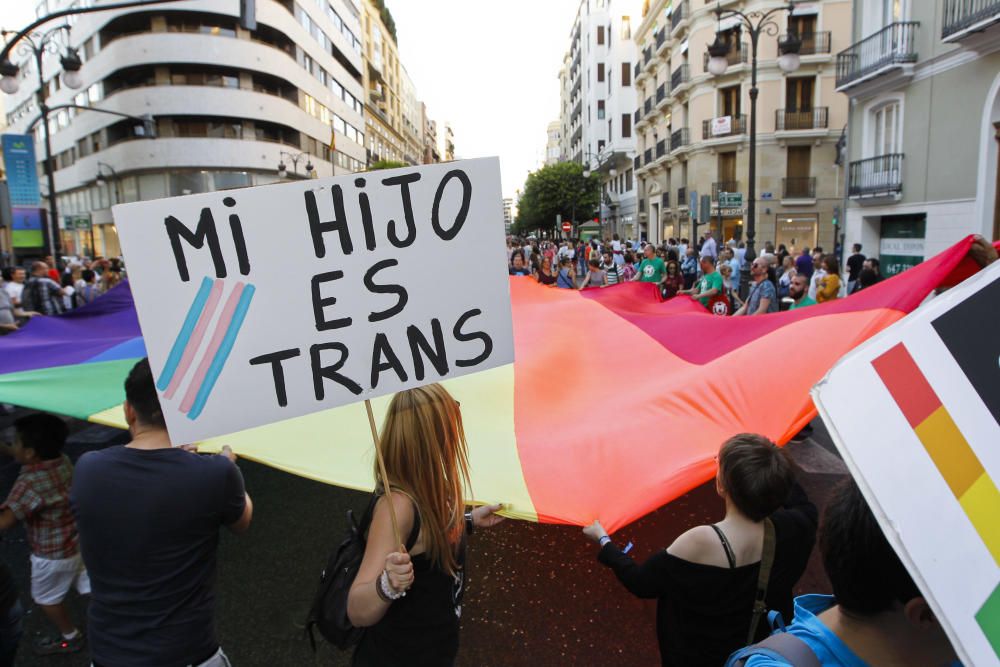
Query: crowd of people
[[151, 582], [705, 270], [44, 289]]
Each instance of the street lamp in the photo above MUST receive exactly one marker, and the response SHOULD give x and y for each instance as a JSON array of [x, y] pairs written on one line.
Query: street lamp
[[757, 23], [612, 172], [283, 169], [38, 44]]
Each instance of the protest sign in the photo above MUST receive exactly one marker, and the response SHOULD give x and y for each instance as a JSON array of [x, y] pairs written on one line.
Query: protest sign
[[266, 303], [915, 412]]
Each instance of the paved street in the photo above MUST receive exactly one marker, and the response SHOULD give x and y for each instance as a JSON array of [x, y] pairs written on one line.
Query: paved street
[[536, 594]]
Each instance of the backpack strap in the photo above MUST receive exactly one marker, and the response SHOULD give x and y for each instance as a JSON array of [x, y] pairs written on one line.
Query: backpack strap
[[766, 563], [780, 646]]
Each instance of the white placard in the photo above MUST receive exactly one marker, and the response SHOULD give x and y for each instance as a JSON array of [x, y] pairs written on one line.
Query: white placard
[[915, 412], [267, 303], [722, 125]]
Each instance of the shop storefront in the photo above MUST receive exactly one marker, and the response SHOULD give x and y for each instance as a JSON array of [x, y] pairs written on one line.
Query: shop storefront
[[796, 231], [902, 242], [729, 221], [77, 236]]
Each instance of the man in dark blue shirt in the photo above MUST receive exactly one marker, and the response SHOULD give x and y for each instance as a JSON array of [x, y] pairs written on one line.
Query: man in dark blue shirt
[[148, 516]]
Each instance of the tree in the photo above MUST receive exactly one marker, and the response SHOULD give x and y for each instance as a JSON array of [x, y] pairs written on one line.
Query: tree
[[557, 190], [386, 164]]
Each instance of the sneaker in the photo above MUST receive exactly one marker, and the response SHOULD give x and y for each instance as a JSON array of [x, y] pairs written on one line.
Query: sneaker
[[57, 645]]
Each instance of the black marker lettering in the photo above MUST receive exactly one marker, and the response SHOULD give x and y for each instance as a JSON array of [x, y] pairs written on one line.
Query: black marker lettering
[[463, 211], [338, 224], [381, 350], [401, 296], [320, 302], [403, 182], [464, 337], [275, 359], [205, 231], [321, 372], [236, 227], [435, 355]]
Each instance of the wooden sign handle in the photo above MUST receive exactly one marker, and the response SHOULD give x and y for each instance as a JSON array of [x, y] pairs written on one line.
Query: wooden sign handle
[[384, 475]]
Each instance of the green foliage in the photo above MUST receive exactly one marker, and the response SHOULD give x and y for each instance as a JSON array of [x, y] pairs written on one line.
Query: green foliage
[[387, 164], [557, 189], [387, 19]]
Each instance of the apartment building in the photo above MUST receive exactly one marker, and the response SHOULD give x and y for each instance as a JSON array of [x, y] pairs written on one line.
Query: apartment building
[[383, 83], [446, 141], [693, 127], [553, 151], [430, 152], [230, 105], [597, 100], [412, 121], [923, 78]]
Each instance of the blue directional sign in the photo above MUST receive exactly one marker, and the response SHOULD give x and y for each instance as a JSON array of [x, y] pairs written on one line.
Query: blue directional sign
[[22, 169], [693, 206]]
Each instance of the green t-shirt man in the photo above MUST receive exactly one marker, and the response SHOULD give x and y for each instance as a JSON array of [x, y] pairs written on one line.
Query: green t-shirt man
[[652, 270], [707, 282], [806, 301]]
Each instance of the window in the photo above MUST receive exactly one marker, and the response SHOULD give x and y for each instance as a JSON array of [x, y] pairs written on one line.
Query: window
[[600, 109], [885, 125], [626, 125], [600, 72], [628, 180], [626, 74], [729, 101], [626, 28], [799, 158], [600, 34], [600, 146], [799, 93]]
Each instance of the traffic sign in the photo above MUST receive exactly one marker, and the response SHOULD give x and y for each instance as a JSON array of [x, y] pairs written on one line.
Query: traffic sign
[[567, 226], [730, 199]]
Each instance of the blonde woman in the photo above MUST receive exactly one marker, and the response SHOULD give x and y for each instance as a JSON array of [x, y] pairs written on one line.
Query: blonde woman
[[409, 596]]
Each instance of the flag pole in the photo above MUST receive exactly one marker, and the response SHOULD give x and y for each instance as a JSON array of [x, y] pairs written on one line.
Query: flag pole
[[384, 475]]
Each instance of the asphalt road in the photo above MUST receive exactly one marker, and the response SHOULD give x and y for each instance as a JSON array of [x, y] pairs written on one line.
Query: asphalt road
[[536, 594]]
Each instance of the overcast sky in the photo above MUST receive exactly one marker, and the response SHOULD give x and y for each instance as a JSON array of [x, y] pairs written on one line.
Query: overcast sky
[[489, 68]]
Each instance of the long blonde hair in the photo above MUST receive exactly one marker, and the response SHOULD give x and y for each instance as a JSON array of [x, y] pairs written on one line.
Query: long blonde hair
[[426, 456]]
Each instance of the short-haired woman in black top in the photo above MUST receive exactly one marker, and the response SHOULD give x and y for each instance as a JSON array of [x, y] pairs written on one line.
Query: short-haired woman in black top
[[706, 581]]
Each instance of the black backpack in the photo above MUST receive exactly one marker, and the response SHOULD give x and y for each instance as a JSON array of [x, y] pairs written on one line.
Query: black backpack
[[329, 607]]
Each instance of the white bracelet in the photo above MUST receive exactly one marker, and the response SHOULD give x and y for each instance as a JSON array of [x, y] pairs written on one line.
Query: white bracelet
[[387, 589], [604, 540]]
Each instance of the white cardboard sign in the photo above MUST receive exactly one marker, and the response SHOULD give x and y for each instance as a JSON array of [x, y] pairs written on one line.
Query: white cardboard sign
[[915, 412], [266, 303]]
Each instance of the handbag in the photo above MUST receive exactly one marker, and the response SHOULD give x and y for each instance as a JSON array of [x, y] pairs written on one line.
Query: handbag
[[766, 563], [328, 613]]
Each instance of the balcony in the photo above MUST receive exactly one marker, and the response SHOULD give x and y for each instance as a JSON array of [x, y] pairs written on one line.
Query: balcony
[[793, 121], [661, 149], [724, 186], [647, 106], [962, 18], [716, 128], [637, 116], [661, 40], [682, 197], [661, 95], [890, 49], [679, 15], [636, 162], [736, 56], [813, 43], [799, 187], [647, 58], [876, 178], [679, 139], [680, 77], [636, 71], [647, 157]]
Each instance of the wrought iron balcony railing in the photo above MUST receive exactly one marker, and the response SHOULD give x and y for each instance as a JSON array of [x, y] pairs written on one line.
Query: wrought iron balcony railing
[[876, 176], [817, 119], [892, 45]]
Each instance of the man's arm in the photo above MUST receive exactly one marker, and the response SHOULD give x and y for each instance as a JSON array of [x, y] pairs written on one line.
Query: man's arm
[[241, 525], [765, 303]]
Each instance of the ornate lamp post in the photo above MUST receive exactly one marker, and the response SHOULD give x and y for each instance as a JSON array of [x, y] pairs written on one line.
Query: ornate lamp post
[[756, 24], [38, 44], [294, 158]]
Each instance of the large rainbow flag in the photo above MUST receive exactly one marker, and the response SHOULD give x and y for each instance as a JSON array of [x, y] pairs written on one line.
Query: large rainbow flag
[[617, 402]]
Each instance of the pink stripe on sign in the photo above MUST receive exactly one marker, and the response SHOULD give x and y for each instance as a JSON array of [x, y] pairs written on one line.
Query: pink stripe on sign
[[220, 332], [199, 333]]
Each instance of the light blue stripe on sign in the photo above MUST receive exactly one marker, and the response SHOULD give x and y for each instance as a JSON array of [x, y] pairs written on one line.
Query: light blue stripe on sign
[[223, 353], [177, 351]]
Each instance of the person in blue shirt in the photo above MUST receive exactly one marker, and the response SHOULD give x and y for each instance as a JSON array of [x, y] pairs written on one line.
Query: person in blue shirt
[[876, 615], [517, 266]]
